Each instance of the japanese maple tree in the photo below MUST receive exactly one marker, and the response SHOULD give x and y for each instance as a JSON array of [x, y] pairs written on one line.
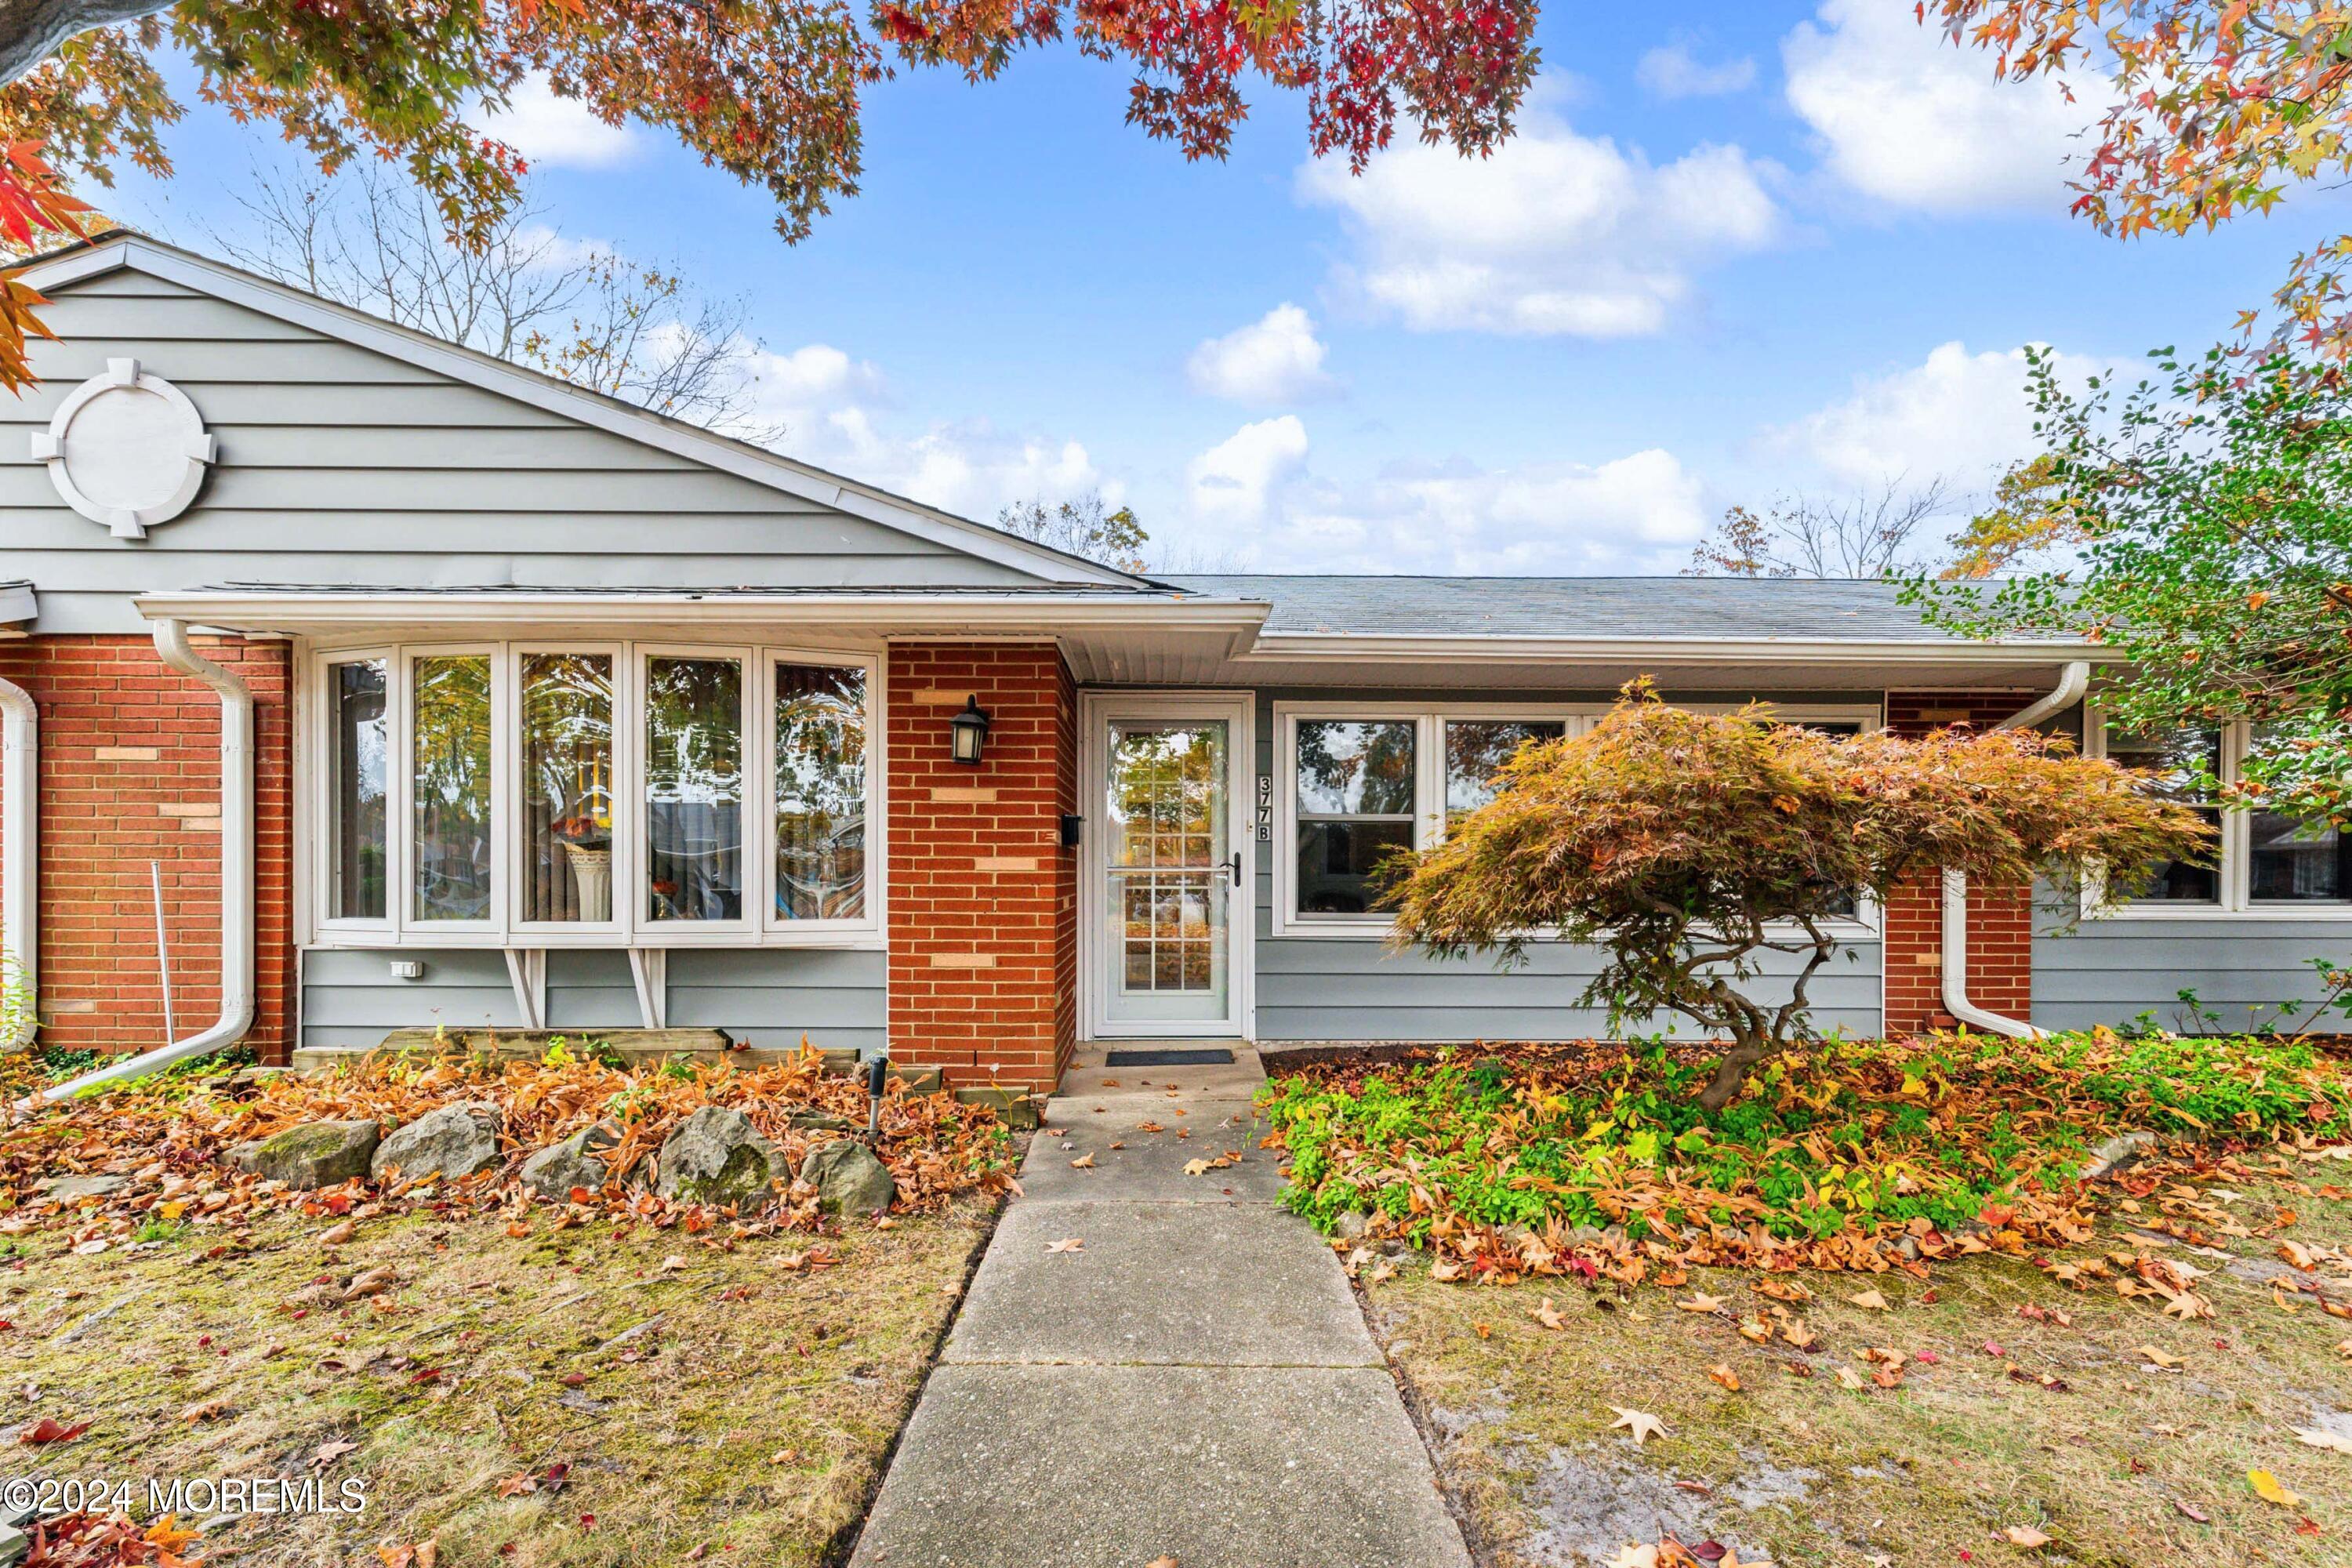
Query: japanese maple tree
[[767, 89], [1694, 849]]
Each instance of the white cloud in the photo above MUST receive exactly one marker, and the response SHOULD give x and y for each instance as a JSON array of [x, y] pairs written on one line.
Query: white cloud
[[1556, 233], [1276, 359], [1903, 116], [1256, 502], [836, 412], [554, 132], [1672, 71], [1960, 415], [1233, 480]]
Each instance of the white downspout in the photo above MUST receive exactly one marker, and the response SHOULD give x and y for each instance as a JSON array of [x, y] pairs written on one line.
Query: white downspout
[[237, 875], [20, 850], [1954, 962]]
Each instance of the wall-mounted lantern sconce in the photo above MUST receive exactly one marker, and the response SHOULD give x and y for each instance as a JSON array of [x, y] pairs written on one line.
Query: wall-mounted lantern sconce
[[1071, 827], [968, 733]]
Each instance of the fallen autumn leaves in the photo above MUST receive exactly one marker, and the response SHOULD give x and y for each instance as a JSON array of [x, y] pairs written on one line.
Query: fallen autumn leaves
[[156, 1148]]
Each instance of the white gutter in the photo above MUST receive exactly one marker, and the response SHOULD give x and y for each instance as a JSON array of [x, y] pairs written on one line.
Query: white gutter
[[236, 908], [2071, 684], [1499, 648], [20, 850], [927, 614]]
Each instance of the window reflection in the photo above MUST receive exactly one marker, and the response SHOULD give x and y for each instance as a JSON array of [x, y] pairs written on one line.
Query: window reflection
[[1355, 789], [567, 786], [357, 829], [450, 786], [2185, 764], [1475, 750], [820, 792], [2294, 861], [694, 789]]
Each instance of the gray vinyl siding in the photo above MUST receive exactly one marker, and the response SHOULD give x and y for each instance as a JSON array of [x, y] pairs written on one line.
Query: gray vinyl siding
[[2111, 972], [338, 465], [1336, 988], [762, 997]]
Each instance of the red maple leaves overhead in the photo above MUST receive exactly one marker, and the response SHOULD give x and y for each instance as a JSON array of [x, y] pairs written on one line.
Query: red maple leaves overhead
[[767, 89]]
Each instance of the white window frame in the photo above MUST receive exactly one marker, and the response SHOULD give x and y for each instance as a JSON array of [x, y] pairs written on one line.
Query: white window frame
[[1429, 787], [2237, 902], [628, 928]]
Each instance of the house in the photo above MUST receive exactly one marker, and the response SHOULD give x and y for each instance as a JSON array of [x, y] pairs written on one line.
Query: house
[[386, 684]]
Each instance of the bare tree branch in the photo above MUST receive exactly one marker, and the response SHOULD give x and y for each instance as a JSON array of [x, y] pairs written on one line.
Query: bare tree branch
[[1869, 533], [531, 296]]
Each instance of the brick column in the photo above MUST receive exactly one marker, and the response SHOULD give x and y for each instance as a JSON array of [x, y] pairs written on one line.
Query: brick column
[[982, 898], [130, 775], [2000, 917]]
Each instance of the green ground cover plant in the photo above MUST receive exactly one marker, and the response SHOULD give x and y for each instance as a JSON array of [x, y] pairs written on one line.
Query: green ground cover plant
[[1871, 1154]]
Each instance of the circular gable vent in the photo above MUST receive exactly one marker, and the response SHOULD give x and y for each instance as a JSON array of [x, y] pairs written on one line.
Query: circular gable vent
[[127, 449]]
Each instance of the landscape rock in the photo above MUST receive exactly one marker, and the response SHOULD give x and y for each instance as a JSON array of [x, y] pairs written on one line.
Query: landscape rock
[[717, 1156], [73, 1189], [848, 1179], [2116, 1152], [315, 1154], [577, 1162], [453, 1140], [820, 1121]]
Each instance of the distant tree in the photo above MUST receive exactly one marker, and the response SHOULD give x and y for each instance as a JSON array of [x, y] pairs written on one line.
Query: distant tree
[[1691, 846], [1084, 525], [527, 294], [1870, 533], [768, 90]]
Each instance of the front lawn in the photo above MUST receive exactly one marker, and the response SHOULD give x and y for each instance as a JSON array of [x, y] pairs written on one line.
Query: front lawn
[[469, 1362], [2018, 1404], [525, 1392], [1892, 1306]]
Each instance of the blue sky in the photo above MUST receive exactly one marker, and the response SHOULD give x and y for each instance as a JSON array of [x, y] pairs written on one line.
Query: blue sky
[[1735, 252]]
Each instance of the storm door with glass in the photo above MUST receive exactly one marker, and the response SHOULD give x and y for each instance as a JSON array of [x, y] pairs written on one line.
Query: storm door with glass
[[1171, 911]]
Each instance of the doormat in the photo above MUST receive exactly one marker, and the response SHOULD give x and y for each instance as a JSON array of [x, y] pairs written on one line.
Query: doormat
[[1195, 1059]]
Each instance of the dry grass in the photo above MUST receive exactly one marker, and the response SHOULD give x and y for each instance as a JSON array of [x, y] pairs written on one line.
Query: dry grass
[[1813, 1472], [754, 1417]]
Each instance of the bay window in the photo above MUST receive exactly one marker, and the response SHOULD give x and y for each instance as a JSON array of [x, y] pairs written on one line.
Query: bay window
[[612, 794], [2266, 862], [1357, 781], [359, 739]]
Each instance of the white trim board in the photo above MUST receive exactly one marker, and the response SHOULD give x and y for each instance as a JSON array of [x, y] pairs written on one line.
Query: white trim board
[[287, 303]]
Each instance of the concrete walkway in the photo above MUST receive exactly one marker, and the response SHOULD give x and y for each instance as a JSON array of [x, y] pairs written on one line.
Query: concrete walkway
[[1194, 1381]]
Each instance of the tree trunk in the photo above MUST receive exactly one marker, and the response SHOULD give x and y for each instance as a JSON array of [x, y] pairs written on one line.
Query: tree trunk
[[31, 30], [1731, 1070]]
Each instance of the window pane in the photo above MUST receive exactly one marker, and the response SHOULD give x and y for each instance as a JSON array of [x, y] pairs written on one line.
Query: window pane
[[567, 786], [2298, 862], [357, 831], [1351, 768], [694, 789], [1336, 861], [1475, 750], [820, 792], [2182, 761], [450, 753]]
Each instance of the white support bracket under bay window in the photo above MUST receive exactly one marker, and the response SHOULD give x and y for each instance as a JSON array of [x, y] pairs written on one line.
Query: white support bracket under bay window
[[649, 969], [527, 972]]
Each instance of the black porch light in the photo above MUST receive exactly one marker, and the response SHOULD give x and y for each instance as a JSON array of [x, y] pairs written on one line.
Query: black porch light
[[968, 733]]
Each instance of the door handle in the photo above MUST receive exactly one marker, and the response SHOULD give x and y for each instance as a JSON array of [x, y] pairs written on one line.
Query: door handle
[[1234, 867]]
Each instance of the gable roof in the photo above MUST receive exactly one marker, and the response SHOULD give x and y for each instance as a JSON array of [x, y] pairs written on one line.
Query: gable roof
[[108, 253], [1741, 609]]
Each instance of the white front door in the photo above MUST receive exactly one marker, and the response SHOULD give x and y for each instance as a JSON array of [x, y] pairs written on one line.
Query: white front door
[[1170, 913]]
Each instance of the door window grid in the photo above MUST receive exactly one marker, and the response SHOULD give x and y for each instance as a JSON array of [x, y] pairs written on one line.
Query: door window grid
[[1165, 785]]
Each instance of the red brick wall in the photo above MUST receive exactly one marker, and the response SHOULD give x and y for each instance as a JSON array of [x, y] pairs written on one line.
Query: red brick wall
[[131, 775], [982, 898], [2000, 918]]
